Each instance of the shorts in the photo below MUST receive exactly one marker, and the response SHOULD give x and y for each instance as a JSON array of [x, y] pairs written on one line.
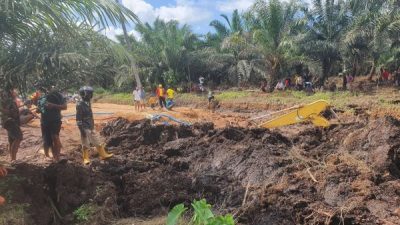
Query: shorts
[[50, 130], [89, 137], [14, 132]]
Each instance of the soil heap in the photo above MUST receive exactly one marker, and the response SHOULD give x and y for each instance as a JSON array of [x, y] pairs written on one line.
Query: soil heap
[[346, 174]]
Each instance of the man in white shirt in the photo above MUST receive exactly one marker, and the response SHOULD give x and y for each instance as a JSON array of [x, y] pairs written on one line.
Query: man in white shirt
[[137, 98]]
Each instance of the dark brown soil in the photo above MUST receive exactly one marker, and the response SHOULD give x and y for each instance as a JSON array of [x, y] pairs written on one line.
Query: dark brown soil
[[347, 174]]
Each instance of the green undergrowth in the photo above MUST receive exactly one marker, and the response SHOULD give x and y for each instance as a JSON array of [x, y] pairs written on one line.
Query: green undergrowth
[[13, 214], [202, 215], [339, 99], [114, 98], [84, 212]]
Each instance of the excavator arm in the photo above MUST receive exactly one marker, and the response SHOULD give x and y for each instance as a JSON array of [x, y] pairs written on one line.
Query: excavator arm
[[310, 112]]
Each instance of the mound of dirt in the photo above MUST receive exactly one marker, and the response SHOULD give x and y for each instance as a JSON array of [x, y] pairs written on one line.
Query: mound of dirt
[[347, 174]]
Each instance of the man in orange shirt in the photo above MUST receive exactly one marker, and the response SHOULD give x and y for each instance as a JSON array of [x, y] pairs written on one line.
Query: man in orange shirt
[[161, 96]]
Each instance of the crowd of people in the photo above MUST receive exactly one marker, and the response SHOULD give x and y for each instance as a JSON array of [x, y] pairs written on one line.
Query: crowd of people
[[164, 98], [296, 82], [304, 82], [49, 103], [387, 77]]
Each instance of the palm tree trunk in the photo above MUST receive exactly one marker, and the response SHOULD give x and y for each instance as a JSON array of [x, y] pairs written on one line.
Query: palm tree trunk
[[372, 71], [128, 43], [126, 36], [326, 67], [355, 66], [273, 77]]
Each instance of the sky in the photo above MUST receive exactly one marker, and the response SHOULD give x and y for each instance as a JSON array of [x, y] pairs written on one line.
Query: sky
[[197, 13]]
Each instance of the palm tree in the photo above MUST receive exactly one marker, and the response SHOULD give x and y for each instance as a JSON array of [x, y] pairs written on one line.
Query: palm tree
[[273, 24], [23, 19], [373, 33], [235, 25], [163, 50], [327, 22]]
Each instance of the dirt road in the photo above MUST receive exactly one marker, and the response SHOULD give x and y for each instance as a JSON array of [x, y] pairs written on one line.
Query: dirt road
[[31, 151]]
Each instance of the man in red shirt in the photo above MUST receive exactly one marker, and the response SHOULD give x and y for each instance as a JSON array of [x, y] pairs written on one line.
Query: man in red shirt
[[385, 75], [161, 96]]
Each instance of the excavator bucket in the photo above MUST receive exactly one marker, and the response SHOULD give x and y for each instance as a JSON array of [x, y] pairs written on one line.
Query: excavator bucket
[[310, 112]]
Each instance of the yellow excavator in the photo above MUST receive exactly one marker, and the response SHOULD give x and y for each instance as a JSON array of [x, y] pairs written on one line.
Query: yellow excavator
[[310, 112]]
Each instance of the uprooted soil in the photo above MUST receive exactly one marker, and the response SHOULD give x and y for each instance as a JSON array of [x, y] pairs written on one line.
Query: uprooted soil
[[346, 174]]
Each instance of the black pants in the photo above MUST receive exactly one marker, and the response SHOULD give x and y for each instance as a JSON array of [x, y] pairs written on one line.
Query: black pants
[[48, 131], [161, 101]]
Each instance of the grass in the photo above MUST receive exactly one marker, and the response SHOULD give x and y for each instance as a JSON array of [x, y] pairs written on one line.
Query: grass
[[13, 214], [114, 98], [7, 184], [84, 212], [232, 95], [381, 102]]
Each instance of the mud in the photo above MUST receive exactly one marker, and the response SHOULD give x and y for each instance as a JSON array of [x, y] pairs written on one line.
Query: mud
[[346, 174]]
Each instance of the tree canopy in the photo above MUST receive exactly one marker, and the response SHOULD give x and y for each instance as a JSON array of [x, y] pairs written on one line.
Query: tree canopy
[[59, 42]]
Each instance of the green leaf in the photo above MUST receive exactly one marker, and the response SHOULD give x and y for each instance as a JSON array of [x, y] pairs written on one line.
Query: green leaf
[[175, 214], [222, 220], [202, 212]]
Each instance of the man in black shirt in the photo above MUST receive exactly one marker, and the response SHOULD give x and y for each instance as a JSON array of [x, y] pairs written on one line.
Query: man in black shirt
[[85, 122], [50, 107]]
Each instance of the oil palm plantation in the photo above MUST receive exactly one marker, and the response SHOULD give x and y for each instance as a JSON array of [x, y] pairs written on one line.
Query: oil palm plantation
[[373, 34], [163, 52], [326, 26], [32, 25], [274, 25]]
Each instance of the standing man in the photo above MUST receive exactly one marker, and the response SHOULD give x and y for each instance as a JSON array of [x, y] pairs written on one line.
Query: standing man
[[85, 122], [170, 98], [161, 96], [136, 98], [397, 77], [11, 121], [50, 107], [344, 81], [142, 98], [201, 82]]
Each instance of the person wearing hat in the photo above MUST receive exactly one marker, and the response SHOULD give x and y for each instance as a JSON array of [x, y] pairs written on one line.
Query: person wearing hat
[[85, 122], [161, 96]]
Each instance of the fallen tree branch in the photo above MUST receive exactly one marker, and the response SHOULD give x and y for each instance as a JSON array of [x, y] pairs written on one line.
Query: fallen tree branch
[[311, 175], [245, 193]]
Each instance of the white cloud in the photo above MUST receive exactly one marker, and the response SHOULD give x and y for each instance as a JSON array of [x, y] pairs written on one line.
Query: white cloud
[[111, 32], [228, 6], [184, 14], [142, 9], [184, 11], [135, 34], [197, 13]]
